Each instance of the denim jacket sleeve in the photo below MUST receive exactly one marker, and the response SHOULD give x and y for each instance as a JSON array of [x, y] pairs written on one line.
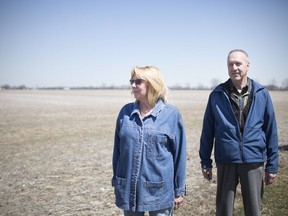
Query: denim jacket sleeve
[[115, 151], [179, 158]]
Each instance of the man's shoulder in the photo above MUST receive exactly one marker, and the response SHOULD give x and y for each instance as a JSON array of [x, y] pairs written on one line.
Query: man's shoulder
[[258, 87], [220, 88]]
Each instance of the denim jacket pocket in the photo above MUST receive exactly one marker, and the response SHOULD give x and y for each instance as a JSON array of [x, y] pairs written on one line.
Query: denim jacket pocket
[[156, 146], [153, 192], [120, 189]]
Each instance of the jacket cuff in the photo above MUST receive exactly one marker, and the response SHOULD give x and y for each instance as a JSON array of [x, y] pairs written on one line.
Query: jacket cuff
[[180, 192], [206, 165]]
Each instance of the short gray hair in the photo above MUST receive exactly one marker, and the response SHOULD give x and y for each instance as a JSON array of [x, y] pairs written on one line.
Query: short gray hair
[[238, 50]]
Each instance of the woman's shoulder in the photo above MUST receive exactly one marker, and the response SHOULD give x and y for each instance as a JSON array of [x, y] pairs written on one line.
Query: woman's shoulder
[[128, 107], [169, 108]]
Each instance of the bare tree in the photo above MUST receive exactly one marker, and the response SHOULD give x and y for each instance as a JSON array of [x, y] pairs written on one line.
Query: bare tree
[[285, 84], [214, 82], [272, 85]]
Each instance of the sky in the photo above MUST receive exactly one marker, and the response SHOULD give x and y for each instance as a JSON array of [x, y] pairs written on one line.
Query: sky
[[77, 43]]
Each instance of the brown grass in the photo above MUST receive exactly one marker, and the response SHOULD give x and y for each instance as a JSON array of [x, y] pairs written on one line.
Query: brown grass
[[56, 149]]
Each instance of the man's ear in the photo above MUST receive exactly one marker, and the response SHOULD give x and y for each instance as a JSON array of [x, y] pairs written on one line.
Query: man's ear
[[248, 64]]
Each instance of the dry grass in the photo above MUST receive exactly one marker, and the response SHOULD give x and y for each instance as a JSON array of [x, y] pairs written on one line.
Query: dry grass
[[56, 149]]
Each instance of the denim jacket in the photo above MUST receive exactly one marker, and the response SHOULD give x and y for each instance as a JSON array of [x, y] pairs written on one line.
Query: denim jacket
[[149, 158]]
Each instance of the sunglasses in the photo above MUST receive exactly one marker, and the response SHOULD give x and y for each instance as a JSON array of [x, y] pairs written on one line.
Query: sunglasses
[[137, 81]]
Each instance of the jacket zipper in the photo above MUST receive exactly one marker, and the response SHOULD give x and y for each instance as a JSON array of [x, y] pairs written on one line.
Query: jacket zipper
[[238, 127]]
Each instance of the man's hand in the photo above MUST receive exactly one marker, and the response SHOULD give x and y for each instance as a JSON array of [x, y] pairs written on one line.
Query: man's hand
[[177, 202], [207, 173], [269, 178]]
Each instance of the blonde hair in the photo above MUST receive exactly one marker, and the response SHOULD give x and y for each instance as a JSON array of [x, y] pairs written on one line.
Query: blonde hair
[[157, 88]]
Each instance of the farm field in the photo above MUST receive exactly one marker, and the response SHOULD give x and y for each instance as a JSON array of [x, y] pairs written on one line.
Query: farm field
[[56, 150]]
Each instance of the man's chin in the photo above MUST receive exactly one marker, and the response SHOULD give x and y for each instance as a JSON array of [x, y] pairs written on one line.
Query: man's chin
[[236, 78]]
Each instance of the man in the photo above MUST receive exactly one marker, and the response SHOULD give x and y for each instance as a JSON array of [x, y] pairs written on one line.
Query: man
[[240, 121]]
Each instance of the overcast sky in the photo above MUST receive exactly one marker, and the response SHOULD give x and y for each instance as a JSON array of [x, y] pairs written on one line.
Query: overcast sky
[[70, 43]]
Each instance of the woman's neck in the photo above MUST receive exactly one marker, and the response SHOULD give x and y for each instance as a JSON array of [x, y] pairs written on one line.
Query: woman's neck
[[145, 108]]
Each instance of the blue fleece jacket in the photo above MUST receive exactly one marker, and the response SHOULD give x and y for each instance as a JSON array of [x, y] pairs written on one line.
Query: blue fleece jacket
[[259, 141]]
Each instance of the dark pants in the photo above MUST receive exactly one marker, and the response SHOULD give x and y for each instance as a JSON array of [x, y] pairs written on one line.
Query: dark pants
[[250, 176]]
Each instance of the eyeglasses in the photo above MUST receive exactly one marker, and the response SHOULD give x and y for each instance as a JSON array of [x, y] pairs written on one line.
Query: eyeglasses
[[137, 81]]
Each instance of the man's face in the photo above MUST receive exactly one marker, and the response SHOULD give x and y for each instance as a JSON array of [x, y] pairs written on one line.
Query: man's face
[[238, 66]]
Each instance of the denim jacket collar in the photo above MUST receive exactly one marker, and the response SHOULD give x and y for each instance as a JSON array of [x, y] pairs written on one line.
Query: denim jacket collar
[[157, 108]]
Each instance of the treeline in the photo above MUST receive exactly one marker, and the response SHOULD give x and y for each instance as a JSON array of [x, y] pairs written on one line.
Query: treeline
[[24, 87], [174, 87]]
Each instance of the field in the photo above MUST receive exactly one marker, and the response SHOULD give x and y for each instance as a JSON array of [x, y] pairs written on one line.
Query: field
[[56, 150]]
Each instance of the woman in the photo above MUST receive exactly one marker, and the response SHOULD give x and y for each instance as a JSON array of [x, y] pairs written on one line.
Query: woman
[[149, 157]]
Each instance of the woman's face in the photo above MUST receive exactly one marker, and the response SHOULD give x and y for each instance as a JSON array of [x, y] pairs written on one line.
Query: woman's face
[[139, 88]]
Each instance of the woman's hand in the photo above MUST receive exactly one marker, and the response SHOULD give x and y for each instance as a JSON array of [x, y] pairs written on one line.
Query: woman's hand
[[177, 202]]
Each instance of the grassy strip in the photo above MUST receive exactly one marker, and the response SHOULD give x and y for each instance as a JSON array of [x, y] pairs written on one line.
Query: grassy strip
[[275, 195]]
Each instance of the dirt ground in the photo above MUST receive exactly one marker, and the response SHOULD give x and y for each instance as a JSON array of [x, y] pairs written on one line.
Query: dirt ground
[[56, 150]]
